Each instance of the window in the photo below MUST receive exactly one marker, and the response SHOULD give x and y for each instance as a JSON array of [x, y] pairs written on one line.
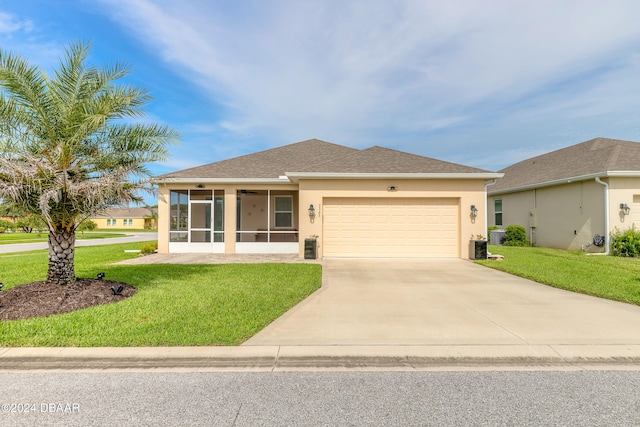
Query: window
[[283, 212], [108, 222], [498, 211], [127, 222]]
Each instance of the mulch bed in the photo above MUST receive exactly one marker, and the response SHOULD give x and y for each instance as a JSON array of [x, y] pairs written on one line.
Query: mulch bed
[[39, 299]]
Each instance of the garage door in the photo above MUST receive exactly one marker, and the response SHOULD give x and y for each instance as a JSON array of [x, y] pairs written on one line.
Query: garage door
[[380, 227]]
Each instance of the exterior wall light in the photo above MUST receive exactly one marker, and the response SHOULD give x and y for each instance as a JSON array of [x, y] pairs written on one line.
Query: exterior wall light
[[474, 211], [312, 211], [624, 208]]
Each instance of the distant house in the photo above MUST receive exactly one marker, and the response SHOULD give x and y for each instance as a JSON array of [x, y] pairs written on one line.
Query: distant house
[[133, 218], [571, 198], [375, 202]]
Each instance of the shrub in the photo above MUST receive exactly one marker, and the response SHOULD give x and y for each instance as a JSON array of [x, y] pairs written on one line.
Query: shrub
[[87, 225], [30, 223], [6, 225], [149, 248], [515, 235], [625, 243]]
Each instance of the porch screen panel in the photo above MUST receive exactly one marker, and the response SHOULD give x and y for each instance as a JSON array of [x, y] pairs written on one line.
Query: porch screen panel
[[218, 216], [179, 216], [201, 222]]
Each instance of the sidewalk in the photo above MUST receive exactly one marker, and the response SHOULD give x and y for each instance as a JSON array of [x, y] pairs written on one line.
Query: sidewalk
[[329, 358]]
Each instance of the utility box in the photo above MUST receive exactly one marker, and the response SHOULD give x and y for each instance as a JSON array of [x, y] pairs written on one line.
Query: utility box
[[478, 249], [310, 249], [496, 237]]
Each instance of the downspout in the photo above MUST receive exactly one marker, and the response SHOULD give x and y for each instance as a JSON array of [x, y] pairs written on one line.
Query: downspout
[[486, 206], [606, 216]]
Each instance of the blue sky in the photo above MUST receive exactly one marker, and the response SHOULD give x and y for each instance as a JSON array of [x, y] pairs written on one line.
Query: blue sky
[[481, 83]]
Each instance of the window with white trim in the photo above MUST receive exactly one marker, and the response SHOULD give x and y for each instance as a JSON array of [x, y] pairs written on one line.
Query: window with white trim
[[283, 211], [497, 204]]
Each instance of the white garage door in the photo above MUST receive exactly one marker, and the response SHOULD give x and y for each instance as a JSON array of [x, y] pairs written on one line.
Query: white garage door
[[377, 227]]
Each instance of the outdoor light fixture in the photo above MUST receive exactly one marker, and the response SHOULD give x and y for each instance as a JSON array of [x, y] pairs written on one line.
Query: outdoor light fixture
[[625, 208], [100, 276], [392, 188], [312, 211], [474, 211], [117, 290]]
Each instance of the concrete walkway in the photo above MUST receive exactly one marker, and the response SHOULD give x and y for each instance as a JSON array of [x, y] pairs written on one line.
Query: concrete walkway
[[205, 258]]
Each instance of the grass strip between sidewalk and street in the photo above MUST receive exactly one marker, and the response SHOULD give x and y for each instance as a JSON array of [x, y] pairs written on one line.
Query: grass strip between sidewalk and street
[[176, 305], [607, 277]]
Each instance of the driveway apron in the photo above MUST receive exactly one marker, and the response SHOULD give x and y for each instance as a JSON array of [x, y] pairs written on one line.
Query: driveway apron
[[445, 301]]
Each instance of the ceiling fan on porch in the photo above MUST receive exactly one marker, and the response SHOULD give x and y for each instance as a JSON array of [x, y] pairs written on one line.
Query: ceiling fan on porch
[[248, 192]]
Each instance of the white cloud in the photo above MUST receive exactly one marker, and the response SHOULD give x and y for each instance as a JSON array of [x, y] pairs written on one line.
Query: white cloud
[[11, 24], [377, 71]]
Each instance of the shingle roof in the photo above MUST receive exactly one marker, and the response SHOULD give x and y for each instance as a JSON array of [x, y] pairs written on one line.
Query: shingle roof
[[595, 156], [319, 156], [384, 160], [271, 163]]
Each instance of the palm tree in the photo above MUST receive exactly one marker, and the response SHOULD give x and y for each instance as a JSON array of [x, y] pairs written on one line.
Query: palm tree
[[69, 148]]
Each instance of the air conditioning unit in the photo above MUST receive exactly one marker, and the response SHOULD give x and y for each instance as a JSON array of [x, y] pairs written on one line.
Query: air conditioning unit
[[496, 237]]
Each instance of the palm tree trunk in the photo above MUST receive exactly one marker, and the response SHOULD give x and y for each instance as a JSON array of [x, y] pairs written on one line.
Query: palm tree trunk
[[61, 251]]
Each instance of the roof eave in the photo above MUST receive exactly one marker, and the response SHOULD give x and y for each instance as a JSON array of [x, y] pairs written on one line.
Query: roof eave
[[281, 180], [619, 174], [297, 176]]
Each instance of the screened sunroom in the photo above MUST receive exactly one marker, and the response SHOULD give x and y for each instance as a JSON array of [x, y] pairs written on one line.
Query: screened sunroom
[[265, 221]]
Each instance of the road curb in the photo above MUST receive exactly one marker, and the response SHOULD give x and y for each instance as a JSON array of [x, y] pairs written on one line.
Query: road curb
[[292, 358]]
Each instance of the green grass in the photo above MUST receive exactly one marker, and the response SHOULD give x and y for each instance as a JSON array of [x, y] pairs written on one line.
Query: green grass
[[19, 237], [175, 304], [608, 277]]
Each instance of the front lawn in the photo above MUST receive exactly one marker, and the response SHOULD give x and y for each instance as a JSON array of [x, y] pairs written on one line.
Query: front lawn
[[608, 277], [179, 305]]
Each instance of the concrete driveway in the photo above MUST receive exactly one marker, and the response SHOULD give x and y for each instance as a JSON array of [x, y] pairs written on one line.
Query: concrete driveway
[[445, 302]]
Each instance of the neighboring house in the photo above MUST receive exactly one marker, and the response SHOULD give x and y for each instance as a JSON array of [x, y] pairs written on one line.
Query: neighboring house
[[359, 203], [571, 197], [134, 218]]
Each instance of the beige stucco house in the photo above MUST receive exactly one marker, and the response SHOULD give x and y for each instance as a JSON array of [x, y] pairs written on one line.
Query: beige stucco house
[[571, 198], [375, 202], [133, 218]]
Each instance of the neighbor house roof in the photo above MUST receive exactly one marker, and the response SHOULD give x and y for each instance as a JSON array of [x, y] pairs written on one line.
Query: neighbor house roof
[[319, 159], [597, 157]]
